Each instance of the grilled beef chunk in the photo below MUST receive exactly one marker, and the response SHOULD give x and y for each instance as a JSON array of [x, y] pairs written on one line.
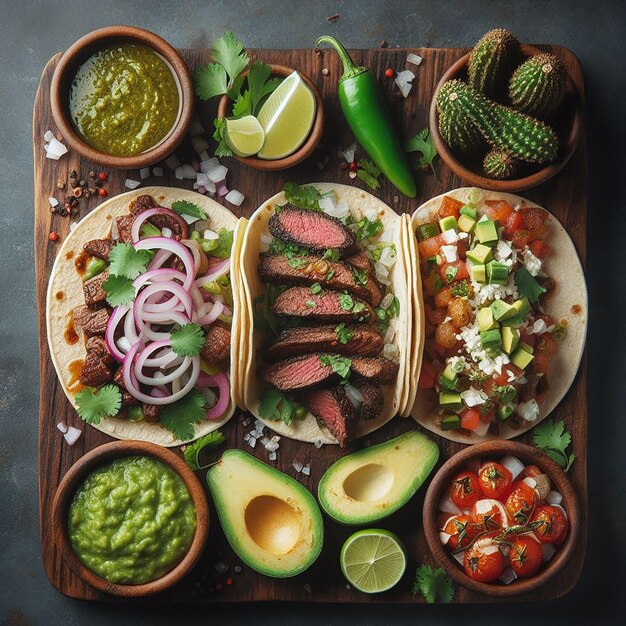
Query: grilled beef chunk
[[216, 344], [333, 407], [298, 372], [373, 400], [142, 203], [375, 368], [94, 372], [359, 259], [366, 340], [312, 229], [326, 305], [93, 291], [151, 412], [100, 248], [98, 346], [127, 399], [124, 225], [91, 322], [276, 268]]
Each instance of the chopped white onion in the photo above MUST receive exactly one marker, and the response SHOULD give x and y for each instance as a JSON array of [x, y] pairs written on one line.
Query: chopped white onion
[[202, 180], [507, 576], [53, 202], [48, 136], [459, 557], [129, 183], [62, 426], [166, 232], [444, 538], [188, 172], [199, 144], [56, 148], [390, 333], [391, 352], [234, 197], [272, 456], [482, 428], [72, 435], [554, 497], [513, 464], [210, 234], [297, 466], [178, 172], [172, 162], [218, 173], [265, 242], [123, 344], [354, 395], [209, 164], [404, 86], [73, 225], [157, 171], [144, 173], [447, 506], [413, 58], [327, 203]]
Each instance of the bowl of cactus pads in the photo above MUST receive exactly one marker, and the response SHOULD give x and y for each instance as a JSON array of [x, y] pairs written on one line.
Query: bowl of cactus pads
[[506, 116]]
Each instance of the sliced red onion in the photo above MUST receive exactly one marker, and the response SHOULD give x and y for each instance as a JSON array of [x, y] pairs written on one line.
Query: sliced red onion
[[167, 357], [174, 288], [175, 247], [161, 379], [109, 334], [208, 313], [221, 189], [214, 273], [209, 165], [198, 297], [219, 380], [158, 275], [145, 215]]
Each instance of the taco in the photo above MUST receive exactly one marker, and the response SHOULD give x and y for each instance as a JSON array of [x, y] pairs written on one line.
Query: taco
[[325, 284], [505, 307], [144, 284]]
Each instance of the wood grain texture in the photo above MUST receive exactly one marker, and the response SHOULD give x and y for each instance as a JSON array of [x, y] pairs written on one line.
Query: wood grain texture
[[565, 195]]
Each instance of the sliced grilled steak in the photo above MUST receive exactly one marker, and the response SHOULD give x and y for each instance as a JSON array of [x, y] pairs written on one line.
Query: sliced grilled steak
[[100, 248], [91, 322], [375, 368], [142, 203], [312, 229], [299, 372], [94, 372], [278, 269], [366, 340], [216, 344], [359, 259], [93, 291], [373, 400], [151, 412], [333, 407], [326, 305], [127, 399], [98, 346], [124, 225]]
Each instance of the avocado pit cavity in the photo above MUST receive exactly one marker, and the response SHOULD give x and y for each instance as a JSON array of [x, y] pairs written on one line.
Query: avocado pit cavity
[[272, 524], [369, 483]]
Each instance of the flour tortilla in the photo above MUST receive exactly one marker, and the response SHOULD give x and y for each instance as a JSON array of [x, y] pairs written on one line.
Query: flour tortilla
[[570, 290], [308, 428], [65, 278]]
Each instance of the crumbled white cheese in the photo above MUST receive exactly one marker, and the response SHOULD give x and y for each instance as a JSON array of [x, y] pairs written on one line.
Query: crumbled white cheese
[[457, 363], [450, 236], [539, 327], [528, 410], [503, 250], [470, 335], [450, 252], [532, 263], [474, 397]]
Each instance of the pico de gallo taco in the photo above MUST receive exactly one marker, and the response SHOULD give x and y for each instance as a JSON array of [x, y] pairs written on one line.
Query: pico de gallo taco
[[504, 302], [144, 283], [325, 283]]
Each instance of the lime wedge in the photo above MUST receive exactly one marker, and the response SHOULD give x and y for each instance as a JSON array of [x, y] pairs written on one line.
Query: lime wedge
[[287, 117], [373, 560], [244, 136]]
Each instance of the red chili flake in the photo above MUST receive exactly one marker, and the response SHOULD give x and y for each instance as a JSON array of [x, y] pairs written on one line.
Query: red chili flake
[[53, 236], [354, 166], [102, 176], [389, 73], [102, 192], [229, 582]]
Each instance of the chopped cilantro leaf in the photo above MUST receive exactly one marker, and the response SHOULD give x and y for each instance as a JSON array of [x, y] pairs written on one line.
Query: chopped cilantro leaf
[[222, 149], [183, 207], [289, 250], [297, 263], [242, 105], [124, 260], [260, 84], [423, 142], [358, 307], [345, 301], [95, 405], [339, 364], [310, 304], [331, 254], [460, 288], [344, 333], [552, 438], [368, 228], [192, 451], [393, 310], [527, 286], [316, 288], [276, 406], [119, 290], [187, 340], [210, 80], [431, 583], [304, 196], [229, 53], [180, 416], [368, 172], [360, 276], [451, 272], [224, 244]]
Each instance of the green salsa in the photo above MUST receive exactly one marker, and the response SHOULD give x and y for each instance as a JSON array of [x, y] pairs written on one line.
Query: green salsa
[[132, 520], [124, 99]]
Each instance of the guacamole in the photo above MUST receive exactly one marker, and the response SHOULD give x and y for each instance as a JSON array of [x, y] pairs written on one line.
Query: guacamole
[[132, 520], [124, 99]]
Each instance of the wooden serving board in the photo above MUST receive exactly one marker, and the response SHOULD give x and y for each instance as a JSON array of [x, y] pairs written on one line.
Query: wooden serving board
[[565, 195]]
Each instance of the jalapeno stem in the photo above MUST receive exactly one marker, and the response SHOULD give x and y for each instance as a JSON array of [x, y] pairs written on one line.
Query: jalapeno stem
[[350, 70]]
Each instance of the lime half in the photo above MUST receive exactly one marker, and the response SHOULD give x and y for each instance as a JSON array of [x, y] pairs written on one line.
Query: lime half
[[373, 560], [287, 117], [244, 136]]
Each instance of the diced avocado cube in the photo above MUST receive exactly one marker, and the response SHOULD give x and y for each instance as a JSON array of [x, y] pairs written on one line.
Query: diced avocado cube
[[515, 320], [522, 306], [497, 273], [502, 310], [448, 223], [479, 273], [450, 421], [486, 231], [466, 223], [448, 378], [521, 358], [470, 211], [508, 394], [491, 339], [479, 254], [450, 400], [524, 346], [485, 319], [510, 339], [504, 411]]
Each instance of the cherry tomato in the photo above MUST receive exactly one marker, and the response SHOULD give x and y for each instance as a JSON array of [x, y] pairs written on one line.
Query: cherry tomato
[[461, 530], [483, 563], [490, 514], [554, 524], [525, 557], [389, 73], [465, 490], [495, 480], [521, 502], [470, 419]]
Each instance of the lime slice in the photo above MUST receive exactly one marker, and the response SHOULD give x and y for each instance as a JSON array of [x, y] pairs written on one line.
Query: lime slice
[[244, 136], [373, 560], [287, 117]]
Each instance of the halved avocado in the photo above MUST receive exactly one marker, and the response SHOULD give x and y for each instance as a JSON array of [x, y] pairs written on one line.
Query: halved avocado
[[270, 520], [373, 483]]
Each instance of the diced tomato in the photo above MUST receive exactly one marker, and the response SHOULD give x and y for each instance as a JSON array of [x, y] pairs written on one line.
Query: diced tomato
[[449, 206], [546, 345], [427, 376], [514, 222], [534, 217], [488, 386], [435, 316], [540, 364], [520, 238], [443, 297], [503, 378], [446, 268], [528, 338], [461, 247], [539, 248], [431, 246], [537, 233], [470, 419], [498, 210]]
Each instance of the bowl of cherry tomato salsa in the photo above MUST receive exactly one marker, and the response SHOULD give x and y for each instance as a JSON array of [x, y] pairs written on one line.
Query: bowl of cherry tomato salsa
[[501, 518]]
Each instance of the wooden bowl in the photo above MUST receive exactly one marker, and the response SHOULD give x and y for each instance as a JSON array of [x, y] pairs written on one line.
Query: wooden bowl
[[568, 125], [306, 148], [78, 53], [494, 450], [75, 478]]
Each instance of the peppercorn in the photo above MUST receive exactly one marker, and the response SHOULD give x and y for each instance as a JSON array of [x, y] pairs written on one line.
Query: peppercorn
[[389, 73], [53, 209], [102, 176], [102, 192], [78, 192], [67, 206], [73, 174], [81, 182], [354, 166], [53, 236], [92, 174], [325, 71], [74, 200], [74, 212], [343, 165], [60, 185]]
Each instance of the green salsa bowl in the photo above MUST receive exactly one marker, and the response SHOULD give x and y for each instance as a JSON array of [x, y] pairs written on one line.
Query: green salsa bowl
[[137, 87], [130, 518]]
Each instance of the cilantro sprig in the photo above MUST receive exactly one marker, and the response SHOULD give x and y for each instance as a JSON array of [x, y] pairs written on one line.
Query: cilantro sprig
[[344, 333], [181, 416], [432, 583], [119, 290], [182, 207], [369, 173], [187, 340], [126, 261], [94, 405], [192, 451], [423, 143], [527, 285], [339, 364], [553, 439], [275, 406], [304, 196]]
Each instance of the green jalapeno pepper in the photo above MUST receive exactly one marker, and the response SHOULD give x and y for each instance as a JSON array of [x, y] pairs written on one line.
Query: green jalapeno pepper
[[94, 267], [369, 119]]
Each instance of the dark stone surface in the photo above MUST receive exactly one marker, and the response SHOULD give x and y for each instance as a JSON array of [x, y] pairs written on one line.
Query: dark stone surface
[[31, 32]]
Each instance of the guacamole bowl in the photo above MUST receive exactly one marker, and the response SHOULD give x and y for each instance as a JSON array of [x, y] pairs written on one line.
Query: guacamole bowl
[[130, 518]]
